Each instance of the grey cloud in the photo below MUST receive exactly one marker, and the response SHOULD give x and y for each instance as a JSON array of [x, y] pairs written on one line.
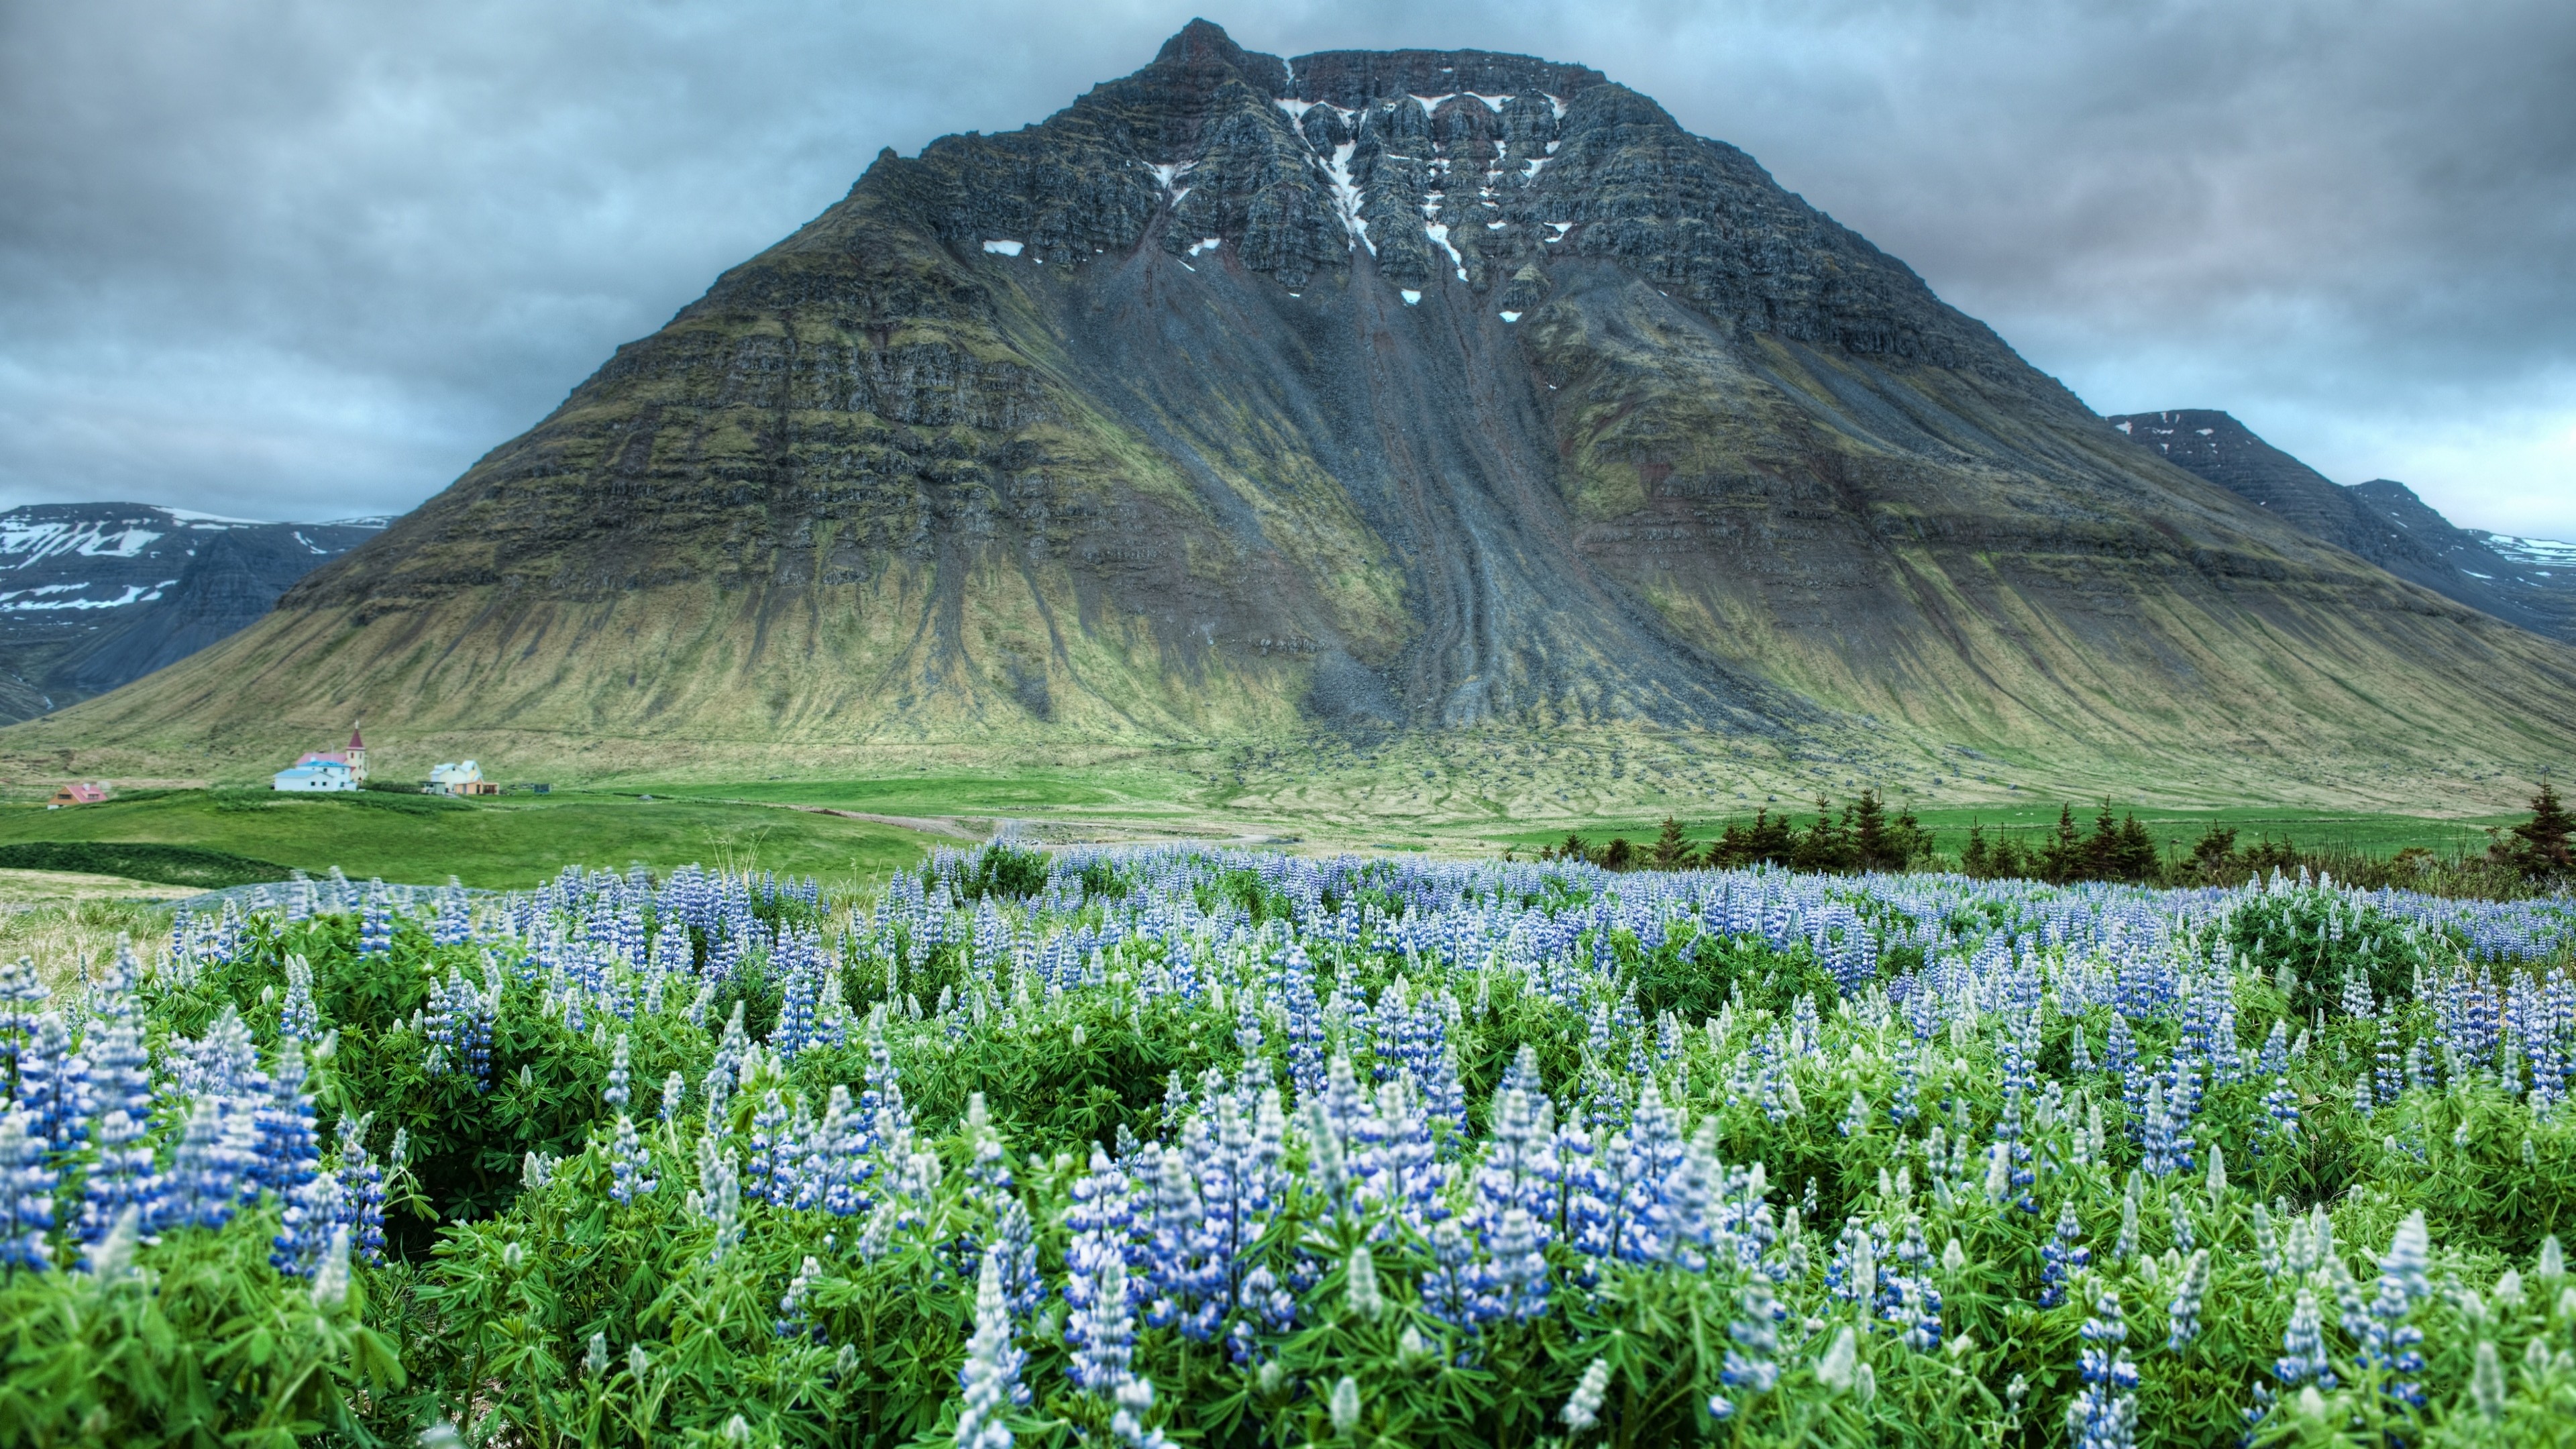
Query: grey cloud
[[303, 258]]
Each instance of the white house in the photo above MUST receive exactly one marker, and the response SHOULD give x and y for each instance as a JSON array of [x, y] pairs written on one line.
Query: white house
[[464, 779], [326, 769], [319, 775]]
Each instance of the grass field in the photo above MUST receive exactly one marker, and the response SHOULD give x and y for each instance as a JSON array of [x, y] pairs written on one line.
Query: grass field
[[511, 842]]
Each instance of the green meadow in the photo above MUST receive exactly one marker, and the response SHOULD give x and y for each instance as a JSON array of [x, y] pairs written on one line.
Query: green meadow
[[510, 841]]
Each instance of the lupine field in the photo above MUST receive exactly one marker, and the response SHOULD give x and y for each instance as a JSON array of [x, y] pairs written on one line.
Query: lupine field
[[1180, 1146]]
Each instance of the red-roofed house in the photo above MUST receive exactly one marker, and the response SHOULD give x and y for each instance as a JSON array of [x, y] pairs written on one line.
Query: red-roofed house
[[79, 792]]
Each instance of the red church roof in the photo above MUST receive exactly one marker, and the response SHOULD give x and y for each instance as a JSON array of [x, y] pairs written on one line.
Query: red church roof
[[355, 743]]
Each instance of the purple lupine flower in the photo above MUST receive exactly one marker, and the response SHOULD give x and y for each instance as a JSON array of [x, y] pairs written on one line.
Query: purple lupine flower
[[1398, 1164], [777, 1157], [991, 1376]]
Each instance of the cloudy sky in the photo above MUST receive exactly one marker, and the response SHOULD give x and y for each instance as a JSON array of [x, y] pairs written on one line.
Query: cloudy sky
[[309, 258]]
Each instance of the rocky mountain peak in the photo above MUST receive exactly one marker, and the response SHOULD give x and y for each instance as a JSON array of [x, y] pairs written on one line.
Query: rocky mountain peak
[[1354, 394]]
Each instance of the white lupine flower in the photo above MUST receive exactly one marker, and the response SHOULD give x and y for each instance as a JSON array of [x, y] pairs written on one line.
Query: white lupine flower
[[991, 1377], [1841, 1364], [1583, 1410], [1365, 1299], [331, 1280], [2486, 1381], [1345, 1405]]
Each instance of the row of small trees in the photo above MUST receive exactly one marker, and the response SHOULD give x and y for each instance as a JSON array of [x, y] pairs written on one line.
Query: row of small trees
[[1864, 836]]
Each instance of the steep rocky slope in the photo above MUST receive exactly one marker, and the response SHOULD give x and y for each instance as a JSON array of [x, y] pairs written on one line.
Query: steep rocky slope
[[2381, 520], [95, 594], [1446, 397]]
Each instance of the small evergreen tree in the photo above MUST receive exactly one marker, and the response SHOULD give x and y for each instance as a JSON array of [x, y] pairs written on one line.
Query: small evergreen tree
[[2062, 859], [1771, 841], [1870, 850], [2215, 851], [1617, 855], [2133, 855], [1826, 846], [2009, 861], [2102, 848], [1671, 851], [1974, 859], [2543, 847]]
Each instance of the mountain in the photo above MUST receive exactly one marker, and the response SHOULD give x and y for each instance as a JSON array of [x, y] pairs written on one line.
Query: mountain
[[1446, 415], [93, 595], [2381, 520]]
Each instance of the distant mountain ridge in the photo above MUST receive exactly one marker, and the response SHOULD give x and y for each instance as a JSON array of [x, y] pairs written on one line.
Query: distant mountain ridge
[[93, 595], [2530, 582], [1439, 405]]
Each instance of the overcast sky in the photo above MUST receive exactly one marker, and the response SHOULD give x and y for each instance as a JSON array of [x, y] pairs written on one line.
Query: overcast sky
[[303, 260]]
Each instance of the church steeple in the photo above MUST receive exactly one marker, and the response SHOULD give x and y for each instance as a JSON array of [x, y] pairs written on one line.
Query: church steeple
[[357, 754]]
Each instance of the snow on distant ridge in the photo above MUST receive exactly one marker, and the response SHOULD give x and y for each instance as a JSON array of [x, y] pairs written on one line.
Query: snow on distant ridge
[[2533, 550]]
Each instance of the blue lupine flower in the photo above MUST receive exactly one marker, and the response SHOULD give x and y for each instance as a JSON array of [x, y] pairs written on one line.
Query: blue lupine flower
[[208, 1172], [54, 1085], [794, 1321], [362, 1190], [629, 1162], [313, 1215], [2303, 1347], [2104, 1414], [1753, 1362], [298, 1017], [119, 1087], [1102, 1326], [2388, 1341], [2062, 1256], [619, 1094], [26, 1192], [287, 1153]]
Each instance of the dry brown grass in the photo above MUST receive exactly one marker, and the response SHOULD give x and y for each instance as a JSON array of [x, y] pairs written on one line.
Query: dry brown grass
[[66, 938]]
